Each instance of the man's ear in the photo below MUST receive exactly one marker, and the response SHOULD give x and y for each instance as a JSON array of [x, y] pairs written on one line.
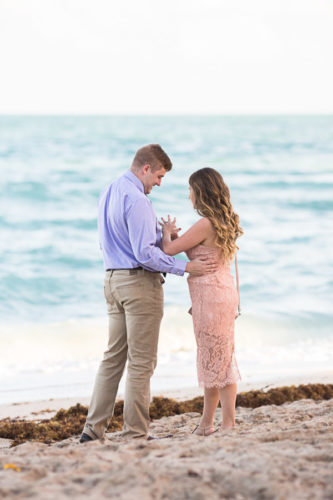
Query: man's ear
[[146, 168]]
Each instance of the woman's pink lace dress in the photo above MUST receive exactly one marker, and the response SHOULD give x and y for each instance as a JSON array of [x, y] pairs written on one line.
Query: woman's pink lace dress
[[214, 304]]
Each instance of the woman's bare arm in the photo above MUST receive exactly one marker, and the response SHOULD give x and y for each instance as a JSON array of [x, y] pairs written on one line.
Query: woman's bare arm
[[196, 234]]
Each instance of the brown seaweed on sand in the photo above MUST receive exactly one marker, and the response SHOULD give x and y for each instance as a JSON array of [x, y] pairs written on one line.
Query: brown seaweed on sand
[[67, 423]]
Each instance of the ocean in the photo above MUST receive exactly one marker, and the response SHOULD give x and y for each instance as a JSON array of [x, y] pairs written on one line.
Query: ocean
[[53, 326]]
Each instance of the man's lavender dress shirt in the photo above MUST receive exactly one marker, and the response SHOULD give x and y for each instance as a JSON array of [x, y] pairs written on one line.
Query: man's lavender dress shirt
[[129, 234]]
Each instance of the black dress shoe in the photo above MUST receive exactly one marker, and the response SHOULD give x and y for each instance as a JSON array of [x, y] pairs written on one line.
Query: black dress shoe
[[150, 438], [85, 438]]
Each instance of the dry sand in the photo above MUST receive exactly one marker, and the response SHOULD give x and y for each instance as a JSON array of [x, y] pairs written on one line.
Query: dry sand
[[275, 452]]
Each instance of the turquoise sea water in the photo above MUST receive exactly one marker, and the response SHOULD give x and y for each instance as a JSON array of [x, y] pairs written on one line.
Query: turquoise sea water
[[280, 174]]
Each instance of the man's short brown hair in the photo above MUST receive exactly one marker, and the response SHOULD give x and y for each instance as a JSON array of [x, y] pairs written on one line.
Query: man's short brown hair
[[153, 155]]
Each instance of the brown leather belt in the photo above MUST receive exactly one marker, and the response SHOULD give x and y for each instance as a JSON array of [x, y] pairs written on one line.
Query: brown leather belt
[[133, 270], [130, 271], [125, 269]]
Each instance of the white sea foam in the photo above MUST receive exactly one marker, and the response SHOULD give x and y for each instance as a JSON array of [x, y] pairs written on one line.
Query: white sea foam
[[61, 359]]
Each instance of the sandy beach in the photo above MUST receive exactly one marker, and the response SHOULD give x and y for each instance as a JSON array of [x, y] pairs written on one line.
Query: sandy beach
[[274, 452]]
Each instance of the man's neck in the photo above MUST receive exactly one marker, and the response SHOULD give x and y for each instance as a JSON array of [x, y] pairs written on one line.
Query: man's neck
[[136, 173], [138, 176]]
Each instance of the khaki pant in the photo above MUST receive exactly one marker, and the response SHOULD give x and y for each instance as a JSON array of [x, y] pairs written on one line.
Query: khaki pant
[[135, 308]]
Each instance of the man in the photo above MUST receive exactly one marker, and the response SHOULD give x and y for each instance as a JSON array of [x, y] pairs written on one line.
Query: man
[[130, 240]]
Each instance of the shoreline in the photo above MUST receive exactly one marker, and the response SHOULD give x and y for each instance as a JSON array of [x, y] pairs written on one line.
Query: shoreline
[[47, 408]]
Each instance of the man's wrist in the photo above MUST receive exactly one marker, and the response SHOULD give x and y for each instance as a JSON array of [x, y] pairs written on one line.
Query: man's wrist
[[180, 267]]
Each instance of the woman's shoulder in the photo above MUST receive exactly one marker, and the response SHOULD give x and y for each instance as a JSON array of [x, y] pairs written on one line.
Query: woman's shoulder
[[206, 227], [204, 223], [203, 228]]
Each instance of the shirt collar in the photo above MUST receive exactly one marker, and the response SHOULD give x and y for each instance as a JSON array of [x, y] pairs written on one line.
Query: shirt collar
[[133, 178]]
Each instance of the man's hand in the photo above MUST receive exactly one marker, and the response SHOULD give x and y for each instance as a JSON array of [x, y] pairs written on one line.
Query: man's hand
[[201, 265]]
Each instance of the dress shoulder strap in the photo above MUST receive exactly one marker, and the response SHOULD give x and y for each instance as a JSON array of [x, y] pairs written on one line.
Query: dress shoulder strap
[[237, 281]]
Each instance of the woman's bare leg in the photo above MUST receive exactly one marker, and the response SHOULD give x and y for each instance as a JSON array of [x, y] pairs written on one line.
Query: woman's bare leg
[[211, 399], [228, 403]]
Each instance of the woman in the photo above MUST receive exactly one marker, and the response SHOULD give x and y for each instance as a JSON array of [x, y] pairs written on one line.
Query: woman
[[214, 297]]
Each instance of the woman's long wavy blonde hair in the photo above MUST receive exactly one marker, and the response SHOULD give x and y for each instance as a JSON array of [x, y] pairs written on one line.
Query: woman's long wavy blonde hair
[[212, 200]]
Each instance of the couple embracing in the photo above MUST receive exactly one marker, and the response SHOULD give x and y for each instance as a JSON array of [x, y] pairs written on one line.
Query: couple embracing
[[137, 252]]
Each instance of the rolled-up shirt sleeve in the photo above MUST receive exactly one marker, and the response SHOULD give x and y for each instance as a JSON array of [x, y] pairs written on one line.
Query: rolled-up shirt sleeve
[[141, 223]]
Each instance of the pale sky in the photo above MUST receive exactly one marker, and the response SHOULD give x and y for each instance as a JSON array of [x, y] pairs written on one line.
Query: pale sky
[[166, 56]]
